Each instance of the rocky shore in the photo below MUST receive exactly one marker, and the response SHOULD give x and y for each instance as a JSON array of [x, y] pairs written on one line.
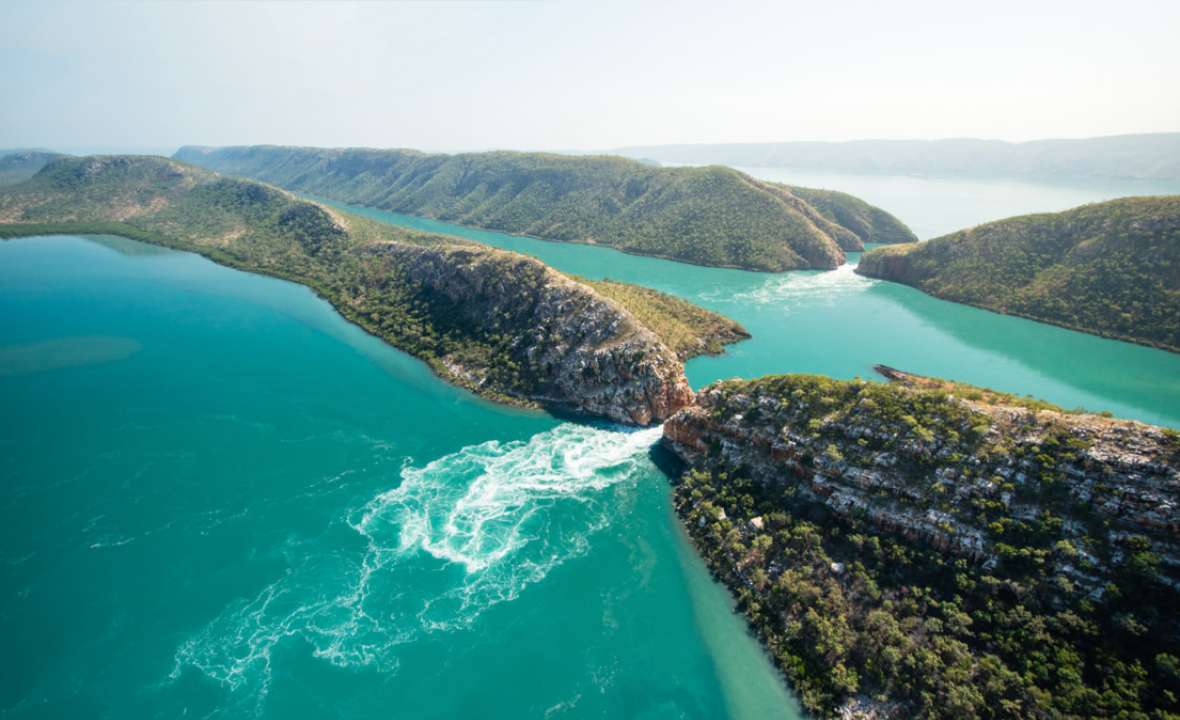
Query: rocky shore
[[861, 525]]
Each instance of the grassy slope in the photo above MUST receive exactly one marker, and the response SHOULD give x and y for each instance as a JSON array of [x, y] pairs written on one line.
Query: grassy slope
[[688, 329], [252, 226], [708, 216], [946, 636], [1111, 268]]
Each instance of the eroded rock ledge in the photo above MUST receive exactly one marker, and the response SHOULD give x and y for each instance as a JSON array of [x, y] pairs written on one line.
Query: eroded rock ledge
[[578, 351], [926, 478], [928, 549]]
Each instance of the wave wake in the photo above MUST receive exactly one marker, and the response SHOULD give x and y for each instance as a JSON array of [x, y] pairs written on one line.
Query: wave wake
[[457, 536], [800, 289]]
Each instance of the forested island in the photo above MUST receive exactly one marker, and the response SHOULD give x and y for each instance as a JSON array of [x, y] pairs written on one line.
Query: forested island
[[502, 324], [1111, 268], [707, 216], [925, 549]]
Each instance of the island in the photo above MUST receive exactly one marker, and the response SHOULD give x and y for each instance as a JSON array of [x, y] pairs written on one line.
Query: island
[[705, 215], [1111, 268], [924, 548], [502, 324]]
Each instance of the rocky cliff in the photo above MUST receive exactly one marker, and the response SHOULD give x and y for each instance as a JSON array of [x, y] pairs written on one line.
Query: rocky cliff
[[996, 511], [577, 351], [501, 324]]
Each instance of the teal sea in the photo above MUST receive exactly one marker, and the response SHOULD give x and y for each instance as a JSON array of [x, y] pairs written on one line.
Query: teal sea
[[221, 500]]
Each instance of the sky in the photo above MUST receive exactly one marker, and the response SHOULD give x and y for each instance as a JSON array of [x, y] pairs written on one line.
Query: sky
[[449, 76]]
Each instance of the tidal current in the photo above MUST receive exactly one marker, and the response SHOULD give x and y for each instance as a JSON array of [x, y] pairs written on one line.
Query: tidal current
[[222, 500]]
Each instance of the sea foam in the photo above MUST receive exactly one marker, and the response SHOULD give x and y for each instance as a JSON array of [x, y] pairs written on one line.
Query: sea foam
[[457, 536], [795, 290]]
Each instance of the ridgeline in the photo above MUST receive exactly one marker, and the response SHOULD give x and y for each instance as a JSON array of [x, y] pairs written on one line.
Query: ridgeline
[[1110, 269], [707, 216], [501, 324]]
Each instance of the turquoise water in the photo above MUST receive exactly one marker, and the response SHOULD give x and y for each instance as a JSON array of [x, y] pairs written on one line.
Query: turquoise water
[[841, 324], [221, 500]]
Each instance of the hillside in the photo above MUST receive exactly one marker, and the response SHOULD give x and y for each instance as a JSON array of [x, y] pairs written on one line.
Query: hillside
[[20, 165], [689, 330], [869, 223], [926, 549], [1110, 268], [504, 325], [1151, 156], [708, 216]]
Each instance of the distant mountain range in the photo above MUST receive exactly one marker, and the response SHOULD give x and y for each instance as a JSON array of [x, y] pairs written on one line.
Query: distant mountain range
[[1154, 156]]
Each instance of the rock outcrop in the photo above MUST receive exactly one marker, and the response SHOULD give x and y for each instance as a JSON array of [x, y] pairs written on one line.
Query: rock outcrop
[[582, 352], [929, 549], [862, 449], [501, 324]]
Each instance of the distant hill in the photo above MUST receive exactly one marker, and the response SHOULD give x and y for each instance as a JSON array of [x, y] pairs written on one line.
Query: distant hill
[[20, 165], [1110, 268], [501, 324], [708, 216], [1154, 156]]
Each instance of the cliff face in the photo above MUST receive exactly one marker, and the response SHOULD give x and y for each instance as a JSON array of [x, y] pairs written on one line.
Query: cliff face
[[579, 351], [501, 324], [924, 483], [956, 551]]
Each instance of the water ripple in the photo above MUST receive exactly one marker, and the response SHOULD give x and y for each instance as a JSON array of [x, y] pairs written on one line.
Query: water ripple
[[457, 536]]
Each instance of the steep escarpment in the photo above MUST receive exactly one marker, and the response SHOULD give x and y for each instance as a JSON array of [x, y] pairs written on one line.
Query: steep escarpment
[[501, 324], [1110, 268], [709, 216], [928, 549], [562, 344]]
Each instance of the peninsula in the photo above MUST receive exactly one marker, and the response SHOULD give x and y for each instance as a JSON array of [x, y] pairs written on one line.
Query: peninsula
[[929, 549], [1111, 269], [707, 216], [501, 324]]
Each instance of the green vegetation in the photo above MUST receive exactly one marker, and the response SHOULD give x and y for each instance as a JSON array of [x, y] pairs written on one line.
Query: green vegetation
[[1111, 269], [347, 259], [870, 224], [708, 216], [689, 330], [20, 165], [947, 561]]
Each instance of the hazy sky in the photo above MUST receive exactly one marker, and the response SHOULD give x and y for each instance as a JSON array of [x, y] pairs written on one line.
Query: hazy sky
[[581, 75]]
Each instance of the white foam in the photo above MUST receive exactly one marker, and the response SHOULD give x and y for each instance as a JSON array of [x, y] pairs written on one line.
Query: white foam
[[798, 289], [459, 535]]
